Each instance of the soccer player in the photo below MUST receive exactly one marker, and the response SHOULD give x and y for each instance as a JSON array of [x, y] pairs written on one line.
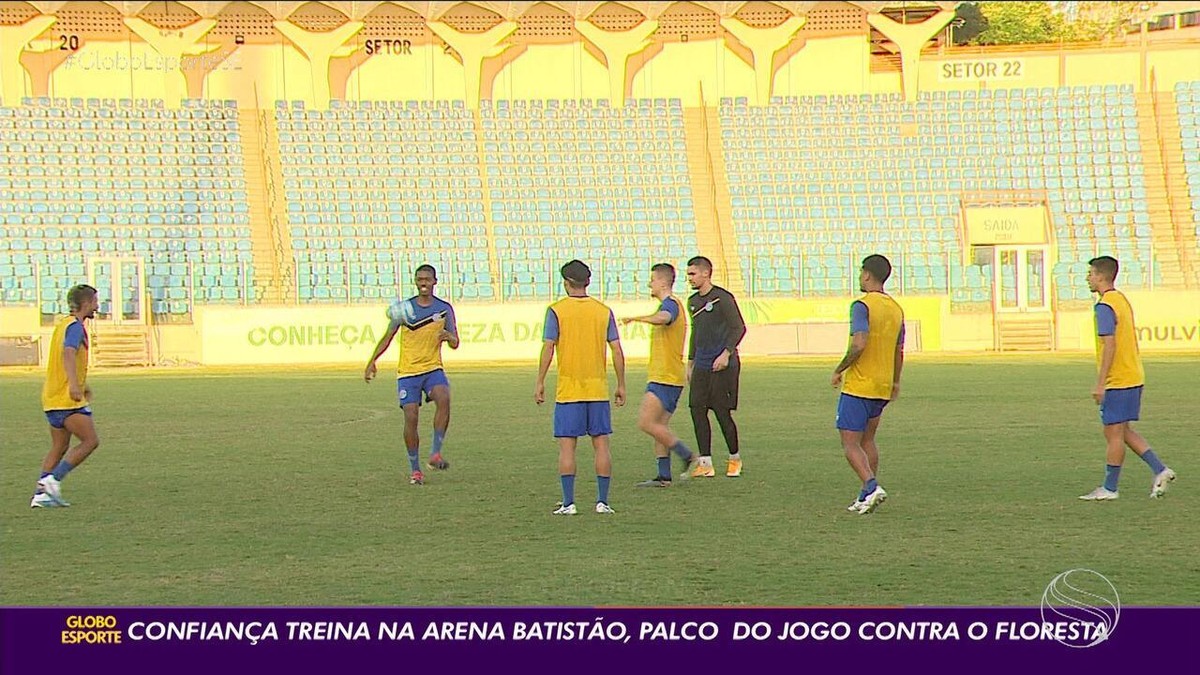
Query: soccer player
[[424, 322], [666, 375], [713, 365], [871, 372], [66, 397], [578, 327], [1118, 389]]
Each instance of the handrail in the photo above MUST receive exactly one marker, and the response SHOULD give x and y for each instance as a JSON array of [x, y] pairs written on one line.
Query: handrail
[[1172, 213], [712, 180], [1055, 47], [1004, 198], [281, 271]]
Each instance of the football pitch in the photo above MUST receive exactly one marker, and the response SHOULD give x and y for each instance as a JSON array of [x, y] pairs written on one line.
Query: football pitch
[[290, 487]]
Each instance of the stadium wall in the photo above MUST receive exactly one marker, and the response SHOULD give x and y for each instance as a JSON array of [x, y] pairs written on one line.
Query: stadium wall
[[429, 73], [1168, 321], [257, 75], [545, 71]]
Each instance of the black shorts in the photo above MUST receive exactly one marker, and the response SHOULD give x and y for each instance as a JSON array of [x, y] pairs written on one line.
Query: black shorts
[[718, 390]]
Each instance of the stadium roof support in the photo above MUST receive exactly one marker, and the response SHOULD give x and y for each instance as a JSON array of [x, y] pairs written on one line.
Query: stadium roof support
[[617, 48], [765, 44], [483, 44], [319, 48], [12, 42], [174, 46], [433, 11], [910, 38], [473, 49]]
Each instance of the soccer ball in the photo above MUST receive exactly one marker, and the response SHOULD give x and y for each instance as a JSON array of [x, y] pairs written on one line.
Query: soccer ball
[[402, 311]]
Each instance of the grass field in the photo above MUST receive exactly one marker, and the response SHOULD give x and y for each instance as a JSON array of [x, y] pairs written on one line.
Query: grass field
[[289, 488]]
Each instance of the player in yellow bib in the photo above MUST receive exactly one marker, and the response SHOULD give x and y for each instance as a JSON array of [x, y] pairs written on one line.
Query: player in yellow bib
[[423, 323], [666, 375], [1119, 383], [66, 398], [580, 328], [869, 377]]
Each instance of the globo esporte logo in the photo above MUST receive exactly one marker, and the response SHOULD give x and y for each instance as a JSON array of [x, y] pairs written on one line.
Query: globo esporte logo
[[91, 629]]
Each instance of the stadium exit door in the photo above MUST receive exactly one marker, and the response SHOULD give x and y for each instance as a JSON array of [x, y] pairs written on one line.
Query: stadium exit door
[[1021, 298], [120, 332], [120, 283], [1020, 282]]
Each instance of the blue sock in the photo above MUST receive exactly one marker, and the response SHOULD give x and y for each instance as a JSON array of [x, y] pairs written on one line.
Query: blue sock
[[414, 458], [868, 488], [602, 488], [1112, 474], [684, 452], [60, 472], [1155, 463], [438, 437], [568, 488], [664, 467]]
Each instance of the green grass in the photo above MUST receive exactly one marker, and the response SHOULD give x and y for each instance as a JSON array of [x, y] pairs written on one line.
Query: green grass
[[289, 488]]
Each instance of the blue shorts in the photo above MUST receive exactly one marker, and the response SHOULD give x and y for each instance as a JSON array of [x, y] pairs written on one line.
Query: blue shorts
[[668, 394], [58, 418], [853, 412], [1121, 405], [409, 389], [582, 418]]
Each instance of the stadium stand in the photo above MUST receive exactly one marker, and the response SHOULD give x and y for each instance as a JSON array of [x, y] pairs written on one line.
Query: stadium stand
[[211, 165], [374, 189], [1187, 101], [123, 178], [830, 177], [607, 184]]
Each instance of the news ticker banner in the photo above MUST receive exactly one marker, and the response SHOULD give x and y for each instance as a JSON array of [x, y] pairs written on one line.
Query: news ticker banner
[[187, 640]]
